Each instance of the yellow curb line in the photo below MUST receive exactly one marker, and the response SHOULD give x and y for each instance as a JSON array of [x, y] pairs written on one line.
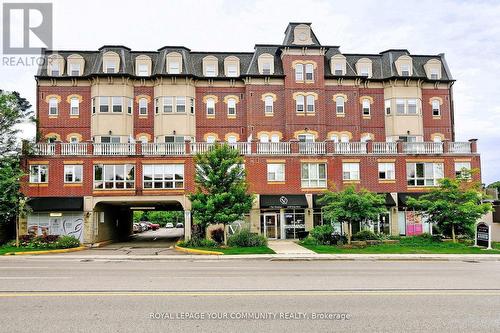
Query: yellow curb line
[[73, 249], [195, 251]]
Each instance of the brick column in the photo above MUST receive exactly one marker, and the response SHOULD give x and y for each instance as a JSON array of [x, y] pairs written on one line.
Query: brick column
[[57, 148], [473, 145], [187, 148], [399, 146], [294, 146], [369, 146], [138, 148], [329, 147], [253, 147], [446, 146]]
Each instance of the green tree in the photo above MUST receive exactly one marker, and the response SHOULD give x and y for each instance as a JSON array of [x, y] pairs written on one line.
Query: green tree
[[455, 205], [221, 195], [352, 206], [13, 111], [163, 217], [495, 185]]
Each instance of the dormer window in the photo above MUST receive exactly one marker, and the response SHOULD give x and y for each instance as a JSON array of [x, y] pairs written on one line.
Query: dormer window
[[210, 66], [76, 64], [266, 64], [74, 69], [142, 70], [173, 67], [210, 70], [404, 65], [54, 69], [266, 68], [434, 74], [364, 67], [309, 72], [338, 69], [405, 70], [364, 71], [232, 71], [433, 69], [232, 66], [174, 63], [110, 67]]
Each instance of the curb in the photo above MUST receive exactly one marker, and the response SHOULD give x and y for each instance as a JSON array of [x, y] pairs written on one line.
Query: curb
[[73, 249], [195, 251]]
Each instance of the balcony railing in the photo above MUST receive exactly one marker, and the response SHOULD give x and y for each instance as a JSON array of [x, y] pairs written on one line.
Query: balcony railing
[[422, 147], [253, 148], [74, 148], [111, 149], [168, 148]]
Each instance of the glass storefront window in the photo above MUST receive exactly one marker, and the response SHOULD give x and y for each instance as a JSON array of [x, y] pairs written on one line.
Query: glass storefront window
[[294, 222]]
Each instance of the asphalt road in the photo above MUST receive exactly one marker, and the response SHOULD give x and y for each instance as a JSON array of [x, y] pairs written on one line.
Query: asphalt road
[[68, 295]]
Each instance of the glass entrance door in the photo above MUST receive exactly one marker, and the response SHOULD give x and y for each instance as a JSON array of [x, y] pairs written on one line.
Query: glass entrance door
[[270, 226]]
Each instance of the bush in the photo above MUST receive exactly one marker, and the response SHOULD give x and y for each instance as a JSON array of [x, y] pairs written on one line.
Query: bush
[[47, 242], [364, 235], [323, 234], [199, 242], [217, 235], [423, 239], [67, 242], [244, 238]]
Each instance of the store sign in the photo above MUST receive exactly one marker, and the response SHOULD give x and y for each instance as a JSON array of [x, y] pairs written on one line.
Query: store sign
[[483, 235], [290, 201]]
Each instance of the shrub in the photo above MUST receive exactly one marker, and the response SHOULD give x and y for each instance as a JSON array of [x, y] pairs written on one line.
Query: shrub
[[365, 235], [323, 234], [67, 242], [47, 242], [423, 239], [198, 242], [244, 238], [217, 235]]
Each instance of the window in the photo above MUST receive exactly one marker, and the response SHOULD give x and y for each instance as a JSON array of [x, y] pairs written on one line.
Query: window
[[306, 137], [386, 171], [350, 171], [110, 139], [168, 104], [437, 138], [74, 69], [180, 104], [75, 106], [334, 137], [73, 173], [110, 67], [364, 71], [366, 137], [130, 105], [73, 139], [92, 102], [276, 172], [436, 108], [344, 138], [407, 138], [232, 70], [412, 106], [405, 70], [310, 103], [232, 139], [210, 107], [266, 68], [313, 175], [338, 69], [117, 104], [309, 72], [191, 100], [275, 138], [120, 176], [231, 107], [173, 67], [143, 106], [142, 70], [103, 104], [53, 107], [174, 139], [462, 170], [299, 103], [339, 101], [163, 176], [387, 106], [143, 139], [39, 173], [264, 138], [210, 70], [299, 72], [54, 69], [424, 174], [211, 139], [268, 104], [434, 74], [366, 107], [400, 106]]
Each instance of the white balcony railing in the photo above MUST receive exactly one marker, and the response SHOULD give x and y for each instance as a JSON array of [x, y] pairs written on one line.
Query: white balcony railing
[[114, 148], [350, 147], [74, 149], [167, 148], [385, 148], [273, 148], [422, 147], [44, 149], [244, 148], [459, 147], [312, 148]]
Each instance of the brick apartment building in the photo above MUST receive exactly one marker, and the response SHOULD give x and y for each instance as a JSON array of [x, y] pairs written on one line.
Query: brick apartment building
[[118, 130]]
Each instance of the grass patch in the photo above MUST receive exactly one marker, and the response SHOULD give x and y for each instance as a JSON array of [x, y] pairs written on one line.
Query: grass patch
[[238, 250], [6, 249], [407, 248]]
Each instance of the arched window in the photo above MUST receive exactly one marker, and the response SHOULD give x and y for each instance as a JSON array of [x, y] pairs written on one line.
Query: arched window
[[344, 138], [264, 138], [268, 104], [75, 107], [143, 139], [210, 107], [366, 137], [231, 107], [309, 72], [436, 108], [366, 107], [210, 138], [143, 106], [275, 138], [299, 72], [53, 107], [334, 137], [232, 139], [310, 103], [339, 101], [299, 103]]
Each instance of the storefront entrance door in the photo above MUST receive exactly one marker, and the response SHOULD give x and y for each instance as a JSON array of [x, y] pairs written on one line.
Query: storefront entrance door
[[270, 226]]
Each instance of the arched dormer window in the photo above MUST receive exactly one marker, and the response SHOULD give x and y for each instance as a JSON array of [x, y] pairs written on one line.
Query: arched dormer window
[[266, 64], [76, 65], [404, 65], [110, 62], [232, 66], [338, 65], [174, 63], [210, 66], [433, 69], [143, 65], [55, 65], [364, 67]]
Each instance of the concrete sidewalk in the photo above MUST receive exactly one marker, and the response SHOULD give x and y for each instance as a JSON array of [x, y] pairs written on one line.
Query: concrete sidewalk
[[287, 247], [268, 257]]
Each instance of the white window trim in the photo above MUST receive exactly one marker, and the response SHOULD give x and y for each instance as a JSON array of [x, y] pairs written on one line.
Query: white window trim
[[72, 168], [76, 101], [388, 168], [36, 178], [166, 170], [276, 169], [351, 169]]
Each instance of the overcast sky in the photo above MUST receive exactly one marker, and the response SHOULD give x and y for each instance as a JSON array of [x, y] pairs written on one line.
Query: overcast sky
[[468, 32]]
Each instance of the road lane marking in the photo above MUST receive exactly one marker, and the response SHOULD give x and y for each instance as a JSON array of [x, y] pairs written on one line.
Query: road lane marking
[[33, 277], [246, 294]]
